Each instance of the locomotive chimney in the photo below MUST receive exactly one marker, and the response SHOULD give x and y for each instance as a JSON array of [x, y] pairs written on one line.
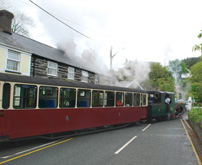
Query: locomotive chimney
[[5, 21]]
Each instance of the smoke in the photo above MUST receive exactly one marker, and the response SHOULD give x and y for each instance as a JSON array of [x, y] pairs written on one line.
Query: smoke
[[181, 88], [91, 59], [88, 59], [68, 46], [133, 74]]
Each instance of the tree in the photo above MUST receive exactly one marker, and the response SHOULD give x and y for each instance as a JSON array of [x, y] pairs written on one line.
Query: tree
[[198, 47], [177, 68], [20, 22], [196, 85], [189, 62], [158, 71], [196, 72], [160, 78]]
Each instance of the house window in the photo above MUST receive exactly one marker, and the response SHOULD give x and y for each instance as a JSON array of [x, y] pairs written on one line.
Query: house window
[[70, 73], [84, 76], [96, 79], [52, 68], [13, 61]]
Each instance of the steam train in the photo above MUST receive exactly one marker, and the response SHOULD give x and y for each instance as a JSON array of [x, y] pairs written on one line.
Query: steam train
[[32, 107]]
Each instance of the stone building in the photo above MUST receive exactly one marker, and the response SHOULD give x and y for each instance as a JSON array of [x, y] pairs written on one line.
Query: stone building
[[25, 56]]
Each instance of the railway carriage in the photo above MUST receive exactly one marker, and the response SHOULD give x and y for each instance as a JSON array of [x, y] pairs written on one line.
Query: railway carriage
[[31, 106]]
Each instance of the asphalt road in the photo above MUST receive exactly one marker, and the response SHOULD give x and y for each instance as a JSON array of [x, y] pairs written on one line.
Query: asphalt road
[[161, 143]]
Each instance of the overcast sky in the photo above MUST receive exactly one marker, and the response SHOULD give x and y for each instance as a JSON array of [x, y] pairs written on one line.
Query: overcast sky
[[157, 30]]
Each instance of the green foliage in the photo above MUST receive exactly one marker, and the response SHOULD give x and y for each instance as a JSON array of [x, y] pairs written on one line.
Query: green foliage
[[200, 35], [184, 68], [158, 71], [198, 47], [160, 78], [177, 68], [196, 116], [196, 89], [166, 85], [196, 72], [189, 62]]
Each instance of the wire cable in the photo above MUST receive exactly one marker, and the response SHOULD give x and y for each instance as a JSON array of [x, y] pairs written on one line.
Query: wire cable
[[60, 20]]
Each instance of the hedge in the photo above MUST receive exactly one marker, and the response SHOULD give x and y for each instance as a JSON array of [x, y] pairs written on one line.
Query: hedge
[[196, 115]]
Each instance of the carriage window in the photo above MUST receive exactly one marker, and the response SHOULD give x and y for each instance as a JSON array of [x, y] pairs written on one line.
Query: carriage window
[[6, 96], [83, 98], [119, 98], [98, 98], [67, 97], [48, 97], [24, 96], [128, 99], [136, 101], [144, 99], [154, 98], [109, 99]]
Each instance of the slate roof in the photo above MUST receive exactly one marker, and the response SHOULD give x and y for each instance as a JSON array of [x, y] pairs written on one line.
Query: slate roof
[[74, 84], [37, 48]]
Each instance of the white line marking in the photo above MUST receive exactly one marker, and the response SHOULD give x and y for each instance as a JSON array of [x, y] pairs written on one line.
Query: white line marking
[[146, 128], [18, 153], [187, 125], [117, 152]]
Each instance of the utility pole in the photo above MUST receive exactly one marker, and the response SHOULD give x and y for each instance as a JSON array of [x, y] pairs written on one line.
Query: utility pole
[[112, 56]]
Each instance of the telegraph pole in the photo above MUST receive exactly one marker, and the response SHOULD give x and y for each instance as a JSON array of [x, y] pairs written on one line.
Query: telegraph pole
[[112, 56]]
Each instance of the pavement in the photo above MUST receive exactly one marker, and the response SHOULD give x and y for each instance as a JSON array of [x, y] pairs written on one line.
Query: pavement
[[194, 137]]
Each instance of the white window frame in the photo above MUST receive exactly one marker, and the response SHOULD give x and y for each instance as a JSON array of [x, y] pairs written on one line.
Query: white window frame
[[84, 77], [71, 73], [13, 59], [52, 68], [96, 79]]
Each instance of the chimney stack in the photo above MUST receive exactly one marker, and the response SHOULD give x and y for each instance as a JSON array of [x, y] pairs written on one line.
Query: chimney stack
[[5, 21]]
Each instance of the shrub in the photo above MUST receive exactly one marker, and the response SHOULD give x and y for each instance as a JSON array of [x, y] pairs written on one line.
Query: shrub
[[196, 115]]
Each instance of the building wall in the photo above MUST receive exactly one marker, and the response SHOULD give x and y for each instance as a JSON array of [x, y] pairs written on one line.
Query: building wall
[[24, 65], [39, 67], [3, 59]]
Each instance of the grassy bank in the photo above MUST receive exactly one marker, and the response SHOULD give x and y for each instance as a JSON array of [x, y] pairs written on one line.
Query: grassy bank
[[196, 115]]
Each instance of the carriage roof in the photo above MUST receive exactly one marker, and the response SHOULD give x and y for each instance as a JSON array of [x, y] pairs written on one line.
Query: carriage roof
[[56, 82]]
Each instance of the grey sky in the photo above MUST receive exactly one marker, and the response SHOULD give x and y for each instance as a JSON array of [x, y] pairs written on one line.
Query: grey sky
[[158, 30]]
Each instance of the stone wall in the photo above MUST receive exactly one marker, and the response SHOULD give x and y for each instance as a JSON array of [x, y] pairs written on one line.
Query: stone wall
[[39, 67], [197, 129]]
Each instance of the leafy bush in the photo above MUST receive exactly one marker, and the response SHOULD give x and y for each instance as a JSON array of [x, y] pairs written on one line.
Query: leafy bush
[[196, 115]]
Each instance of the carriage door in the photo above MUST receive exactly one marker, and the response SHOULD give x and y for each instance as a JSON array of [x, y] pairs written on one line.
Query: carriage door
[[5, 106]]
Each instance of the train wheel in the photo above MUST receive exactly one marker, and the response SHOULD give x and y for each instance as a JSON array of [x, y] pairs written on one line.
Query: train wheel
[[149, 120], [158, 118]]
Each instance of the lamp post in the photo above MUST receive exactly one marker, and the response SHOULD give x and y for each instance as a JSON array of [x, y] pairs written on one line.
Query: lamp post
[[112, 56]]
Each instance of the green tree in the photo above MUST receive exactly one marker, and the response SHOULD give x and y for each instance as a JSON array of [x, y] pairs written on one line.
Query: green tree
[[189, 62], [160, 78], [196, 72], [177, 68], [198, 47], [196, 78]]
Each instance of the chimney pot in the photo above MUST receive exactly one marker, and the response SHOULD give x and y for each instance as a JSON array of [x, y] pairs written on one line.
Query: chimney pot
[[5, 21]]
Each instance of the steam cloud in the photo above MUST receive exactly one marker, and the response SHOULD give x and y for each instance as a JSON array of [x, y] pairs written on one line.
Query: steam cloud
[[176, 69], [131, 75]]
